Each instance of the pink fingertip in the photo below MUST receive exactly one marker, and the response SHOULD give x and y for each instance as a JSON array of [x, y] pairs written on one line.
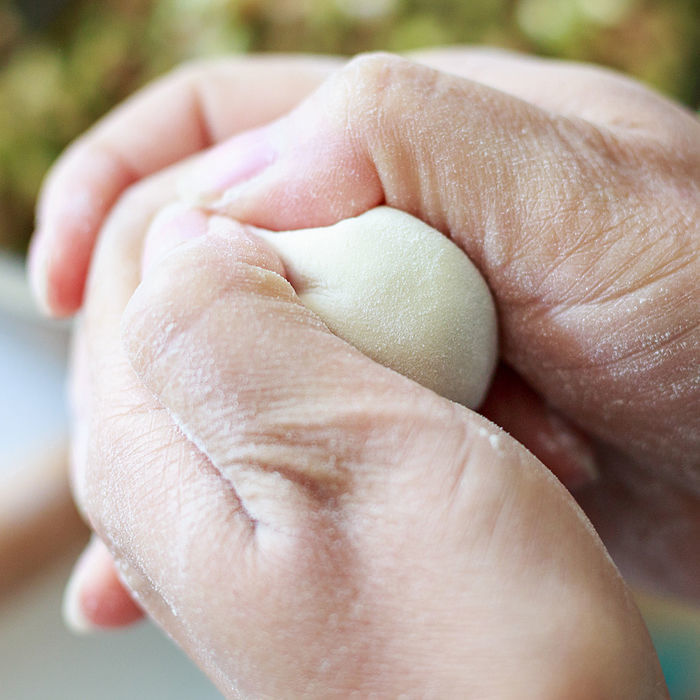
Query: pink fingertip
[[94, 598], [230, 163], [173, 225]]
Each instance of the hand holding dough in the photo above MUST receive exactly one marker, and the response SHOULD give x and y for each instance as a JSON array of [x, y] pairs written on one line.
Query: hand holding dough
[[402, 293]]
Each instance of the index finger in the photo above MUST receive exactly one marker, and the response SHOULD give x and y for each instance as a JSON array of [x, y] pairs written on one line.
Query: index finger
[[189, 110]]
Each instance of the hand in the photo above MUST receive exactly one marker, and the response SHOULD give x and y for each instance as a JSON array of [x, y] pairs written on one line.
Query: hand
[[584, 163], [174, 118], [571, 154], [207, 102], [306, 523], [648, 522], [576, 194]]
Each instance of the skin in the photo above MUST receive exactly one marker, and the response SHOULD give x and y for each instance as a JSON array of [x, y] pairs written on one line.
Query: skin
[[571, 305], [329, 527]]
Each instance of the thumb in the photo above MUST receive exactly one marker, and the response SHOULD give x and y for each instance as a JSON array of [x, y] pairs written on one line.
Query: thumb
[[360, 485], [383, 129], [549, 207]]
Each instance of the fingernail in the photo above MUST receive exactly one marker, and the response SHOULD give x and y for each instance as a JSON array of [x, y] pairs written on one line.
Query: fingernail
[[230, 163], [173, 225], [37, 270], [73, 604]]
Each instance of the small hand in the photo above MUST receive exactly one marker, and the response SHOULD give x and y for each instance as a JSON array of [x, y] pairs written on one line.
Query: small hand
[[305, 522]]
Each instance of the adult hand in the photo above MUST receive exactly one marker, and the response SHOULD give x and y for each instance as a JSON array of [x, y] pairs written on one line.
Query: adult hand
[[575, 192], [623, 165], [307, 523], [549, 181], [586, 230], [205, 103]]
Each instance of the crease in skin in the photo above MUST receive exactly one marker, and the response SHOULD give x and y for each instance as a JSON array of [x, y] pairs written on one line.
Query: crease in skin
[[199, 444], [242, 466], [602, 348], [634, 349], [202, 114], [177, 622]]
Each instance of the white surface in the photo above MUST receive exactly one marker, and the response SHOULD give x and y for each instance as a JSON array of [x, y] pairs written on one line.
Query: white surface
[[41, 660]]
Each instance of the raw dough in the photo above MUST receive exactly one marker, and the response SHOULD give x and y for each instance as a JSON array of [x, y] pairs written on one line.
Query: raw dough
[[400, 292]]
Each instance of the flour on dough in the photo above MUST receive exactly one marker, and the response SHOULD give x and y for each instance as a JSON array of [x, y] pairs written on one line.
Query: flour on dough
[[402, 293]]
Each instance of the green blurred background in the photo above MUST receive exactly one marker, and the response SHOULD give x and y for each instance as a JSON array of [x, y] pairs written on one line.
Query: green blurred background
[[64, 63]]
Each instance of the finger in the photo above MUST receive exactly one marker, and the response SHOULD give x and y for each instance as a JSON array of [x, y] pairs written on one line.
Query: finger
[[549, 208], [95, 596], [522, 413], [176, 117], [138, 472]]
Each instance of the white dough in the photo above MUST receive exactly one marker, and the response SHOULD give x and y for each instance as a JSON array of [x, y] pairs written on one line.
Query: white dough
[[402, 293]]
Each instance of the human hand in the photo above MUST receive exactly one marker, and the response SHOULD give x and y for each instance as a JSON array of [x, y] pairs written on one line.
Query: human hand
[[647, 521], [566, 166], [583, 307], [578, 202], [307, 523], [203, 103]]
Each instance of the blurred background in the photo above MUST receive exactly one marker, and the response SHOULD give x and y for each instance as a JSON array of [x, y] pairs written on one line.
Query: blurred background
[[63, 64]]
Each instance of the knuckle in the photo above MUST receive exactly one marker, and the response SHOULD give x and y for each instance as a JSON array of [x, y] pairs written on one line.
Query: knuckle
[[368, 76], [376, 88], [373, 67]]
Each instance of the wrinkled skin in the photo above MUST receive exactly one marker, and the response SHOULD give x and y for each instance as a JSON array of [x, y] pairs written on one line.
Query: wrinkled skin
[[298, 461]]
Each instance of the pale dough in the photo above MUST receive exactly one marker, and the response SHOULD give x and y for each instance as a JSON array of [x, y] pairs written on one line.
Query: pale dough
[[402, 293]]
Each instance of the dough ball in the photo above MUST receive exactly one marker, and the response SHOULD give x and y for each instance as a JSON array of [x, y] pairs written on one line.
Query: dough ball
[[402, 293]]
